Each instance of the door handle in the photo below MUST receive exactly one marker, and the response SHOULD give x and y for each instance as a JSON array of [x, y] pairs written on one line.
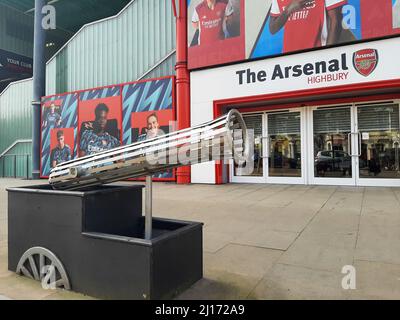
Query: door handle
[[349, 144], [266, 152], [359, 143]]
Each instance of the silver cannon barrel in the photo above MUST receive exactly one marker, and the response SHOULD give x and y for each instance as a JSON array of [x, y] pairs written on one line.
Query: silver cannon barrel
[[222, 139]]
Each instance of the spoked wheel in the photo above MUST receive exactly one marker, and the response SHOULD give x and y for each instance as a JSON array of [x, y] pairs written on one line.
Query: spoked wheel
[[42, 265]]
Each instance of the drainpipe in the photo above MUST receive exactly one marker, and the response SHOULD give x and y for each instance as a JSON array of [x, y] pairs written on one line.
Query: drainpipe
[[182, 79], [39, 78]]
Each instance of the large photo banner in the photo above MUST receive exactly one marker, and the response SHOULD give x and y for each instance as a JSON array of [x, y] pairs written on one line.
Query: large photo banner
[[216, 32], [225, 31], [148, 112], [100, 120], [90, 121], [59, 131]]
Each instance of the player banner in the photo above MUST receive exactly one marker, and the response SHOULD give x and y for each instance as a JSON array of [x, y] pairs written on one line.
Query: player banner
[[148, 112], [224, 31], [59, 130], [100, 120], [90, 121]]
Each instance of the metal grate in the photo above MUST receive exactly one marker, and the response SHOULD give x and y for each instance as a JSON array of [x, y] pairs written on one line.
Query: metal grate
[[284, 123], [254, 122], [378, 118], [332, 120]]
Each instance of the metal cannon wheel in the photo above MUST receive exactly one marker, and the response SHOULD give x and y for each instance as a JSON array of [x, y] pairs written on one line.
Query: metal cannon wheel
[[42, 265]]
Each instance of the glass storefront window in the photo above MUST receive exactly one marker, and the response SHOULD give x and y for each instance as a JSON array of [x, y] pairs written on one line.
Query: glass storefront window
[[284, 157], [332, 127], [380, 141], [254, 122]]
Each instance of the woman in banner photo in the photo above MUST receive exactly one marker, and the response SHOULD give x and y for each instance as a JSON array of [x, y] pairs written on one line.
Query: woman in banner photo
[[211, 19], [152, 131], [396, 14], [62, 152], [308, 23], [153, 128], [96, 135]]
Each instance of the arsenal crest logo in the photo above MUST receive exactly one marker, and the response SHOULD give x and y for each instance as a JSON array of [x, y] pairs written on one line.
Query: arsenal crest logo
[[365, 61]]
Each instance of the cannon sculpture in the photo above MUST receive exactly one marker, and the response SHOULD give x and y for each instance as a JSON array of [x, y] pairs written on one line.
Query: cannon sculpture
[[81, 233]]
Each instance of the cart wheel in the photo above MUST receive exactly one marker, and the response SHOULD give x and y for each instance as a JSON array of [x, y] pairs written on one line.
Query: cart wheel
[[42, 265]]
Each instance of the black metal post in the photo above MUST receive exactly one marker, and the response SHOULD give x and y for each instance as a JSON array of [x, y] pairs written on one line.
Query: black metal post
[[149, 208], [39, 77], [15, 166], [27, 167]]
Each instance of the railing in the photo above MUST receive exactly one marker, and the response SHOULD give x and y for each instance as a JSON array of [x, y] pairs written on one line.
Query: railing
[[15, 165]]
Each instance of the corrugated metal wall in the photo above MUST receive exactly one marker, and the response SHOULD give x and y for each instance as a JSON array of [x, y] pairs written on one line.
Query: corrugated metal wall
[[16, 124], [17, 162], [119, 49], [138, 43], [21, 27]]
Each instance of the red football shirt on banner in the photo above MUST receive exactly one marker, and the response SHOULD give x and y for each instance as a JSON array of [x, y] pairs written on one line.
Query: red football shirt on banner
[[211, 20], [306, 28], [376, 18]]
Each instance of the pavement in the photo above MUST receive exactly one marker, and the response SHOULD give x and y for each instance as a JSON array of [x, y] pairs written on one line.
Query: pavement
[[269, 241]]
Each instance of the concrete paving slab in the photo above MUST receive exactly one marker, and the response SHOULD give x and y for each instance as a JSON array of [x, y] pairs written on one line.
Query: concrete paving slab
[[344, 202], [380, 202], [350, 189], [333, 222], [214, 241], [291, 282], [281, 199], [261, 194], [220, 285], [318, 229], [3, 229], [262, 236], [343, 240], [329, 252], [4, 262], [284, 219], [234, 227], [376, 280], [378, 239], [21, 288], [243, 260], [67, 295]]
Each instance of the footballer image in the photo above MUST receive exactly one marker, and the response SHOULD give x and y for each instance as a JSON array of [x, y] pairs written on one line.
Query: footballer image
[[307, 23], [99, 135], [62, 152]]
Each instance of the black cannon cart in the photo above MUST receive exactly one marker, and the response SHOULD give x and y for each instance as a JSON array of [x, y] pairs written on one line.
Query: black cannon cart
[[93, 242]]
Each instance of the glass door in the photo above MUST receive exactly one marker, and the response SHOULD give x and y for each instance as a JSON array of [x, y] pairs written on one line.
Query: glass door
[[278, 145], [284, 144], [379, 139], [253, 122], [355, 144], [334, 145]]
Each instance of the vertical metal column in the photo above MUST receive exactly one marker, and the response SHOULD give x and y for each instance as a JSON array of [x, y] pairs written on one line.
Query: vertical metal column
[[39, 76], [149, 208], [182, 81], [27, 167], [15, 166]]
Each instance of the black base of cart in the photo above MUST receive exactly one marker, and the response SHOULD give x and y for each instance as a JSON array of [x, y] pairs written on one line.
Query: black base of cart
[[92, 242]]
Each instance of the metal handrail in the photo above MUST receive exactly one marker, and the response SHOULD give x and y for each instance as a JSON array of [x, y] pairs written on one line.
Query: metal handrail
[[4, 155], [15, 157], [13, 145]]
